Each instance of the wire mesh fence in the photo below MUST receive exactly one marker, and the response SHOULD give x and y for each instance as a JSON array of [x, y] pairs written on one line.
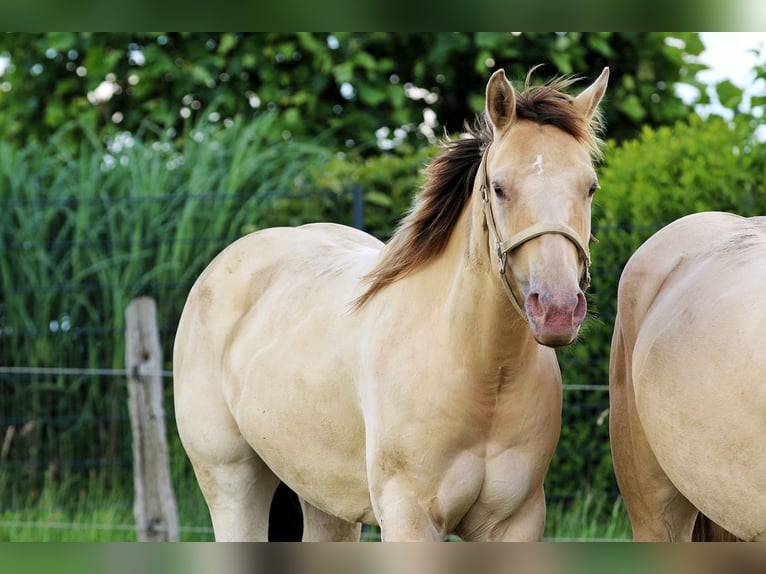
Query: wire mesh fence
[[61, 468]]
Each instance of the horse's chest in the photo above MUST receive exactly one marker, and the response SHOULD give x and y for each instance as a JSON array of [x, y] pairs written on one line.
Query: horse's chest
[[477, 492], [513, 464], [509, 477], [510, 455]]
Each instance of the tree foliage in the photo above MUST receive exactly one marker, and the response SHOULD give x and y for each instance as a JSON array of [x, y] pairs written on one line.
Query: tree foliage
[[364, 88]]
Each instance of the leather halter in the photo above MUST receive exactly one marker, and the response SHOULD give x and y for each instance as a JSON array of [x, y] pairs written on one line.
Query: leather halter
[[503, 248]]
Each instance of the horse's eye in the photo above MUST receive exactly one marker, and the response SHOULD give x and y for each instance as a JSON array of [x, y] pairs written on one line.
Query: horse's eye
[[498, 191], [593, 189]]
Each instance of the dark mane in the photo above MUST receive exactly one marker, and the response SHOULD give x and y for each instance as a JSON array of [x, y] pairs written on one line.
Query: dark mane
[[428, 225], [550, 105], [426, 228]]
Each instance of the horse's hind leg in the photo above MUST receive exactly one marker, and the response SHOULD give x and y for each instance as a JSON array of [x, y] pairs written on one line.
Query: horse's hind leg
[[238, 495], [319, 526], [658, 511], [236, 483]]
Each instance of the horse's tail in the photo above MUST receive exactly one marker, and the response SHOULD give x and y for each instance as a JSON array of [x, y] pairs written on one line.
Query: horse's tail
[[705, 530]]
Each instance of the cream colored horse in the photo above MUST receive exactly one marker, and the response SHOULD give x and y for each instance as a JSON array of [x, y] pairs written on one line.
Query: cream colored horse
[[688, 379], [397, 384]]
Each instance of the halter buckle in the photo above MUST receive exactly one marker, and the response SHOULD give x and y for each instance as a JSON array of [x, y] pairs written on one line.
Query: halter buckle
[[501, 257]]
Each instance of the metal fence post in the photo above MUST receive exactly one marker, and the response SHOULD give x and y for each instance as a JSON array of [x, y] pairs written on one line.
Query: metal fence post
[[358, 214]]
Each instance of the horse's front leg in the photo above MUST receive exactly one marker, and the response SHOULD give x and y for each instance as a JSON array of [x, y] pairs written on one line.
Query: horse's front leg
[[400, 512], [526, 524], [321, 527]]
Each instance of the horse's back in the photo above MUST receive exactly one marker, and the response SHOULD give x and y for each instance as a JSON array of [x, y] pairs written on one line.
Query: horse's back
[[281, 268], [688, 340], [264, 355]]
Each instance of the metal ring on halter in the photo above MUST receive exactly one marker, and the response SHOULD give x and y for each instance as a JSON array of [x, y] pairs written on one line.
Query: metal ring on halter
[[502, 256]]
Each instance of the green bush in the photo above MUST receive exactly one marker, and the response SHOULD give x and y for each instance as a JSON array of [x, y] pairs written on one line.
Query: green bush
[[350, 84], [389, 182]]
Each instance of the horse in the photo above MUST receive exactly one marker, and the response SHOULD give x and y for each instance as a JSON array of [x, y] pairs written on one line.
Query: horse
[[413, 384], [687, 379]]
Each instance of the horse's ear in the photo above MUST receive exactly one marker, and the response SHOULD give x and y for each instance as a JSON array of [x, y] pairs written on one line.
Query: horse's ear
[[501, 101], [587, 102]]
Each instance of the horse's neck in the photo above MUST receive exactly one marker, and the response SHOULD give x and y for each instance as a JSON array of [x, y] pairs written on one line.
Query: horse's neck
[[477, 308]]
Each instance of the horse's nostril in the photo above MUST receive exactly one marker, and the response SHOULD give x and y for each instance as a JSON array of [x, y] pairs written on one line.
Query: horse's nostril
[[581, 307], [534, 307]]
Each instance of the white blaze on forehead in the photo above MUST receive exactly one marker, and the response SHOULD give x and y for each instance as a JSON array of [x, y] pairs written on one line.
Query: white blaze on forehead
[[538, 164]]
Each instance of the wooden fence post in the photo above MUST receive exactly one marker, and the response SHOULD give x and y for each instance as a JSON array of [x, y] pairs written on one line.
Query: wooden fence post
[[154, 505]]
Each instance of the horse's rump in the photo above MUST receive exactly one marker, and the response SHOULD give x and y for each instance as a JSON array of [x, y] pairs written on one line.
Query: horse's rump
[[688, 403]]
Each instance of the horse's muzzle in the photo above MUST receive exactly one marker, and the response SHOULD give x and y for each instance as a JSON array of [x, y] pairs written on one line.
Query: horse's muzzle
[[555, 318]]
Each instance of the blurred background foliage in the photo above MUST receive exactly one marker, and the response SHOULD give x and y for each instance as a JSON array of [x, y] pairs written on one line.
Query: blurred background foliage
[[127, 161], [361, 87]]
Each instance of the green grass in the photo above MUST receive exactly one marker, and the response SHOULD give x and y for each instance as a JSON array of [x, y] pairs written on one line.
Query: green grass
[[93, 513], [589, 516], [99, 514]]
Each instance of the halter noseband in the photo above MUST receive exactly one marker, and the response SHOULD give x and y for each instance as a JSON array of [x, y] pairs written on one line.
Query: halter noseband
[[503, 248]]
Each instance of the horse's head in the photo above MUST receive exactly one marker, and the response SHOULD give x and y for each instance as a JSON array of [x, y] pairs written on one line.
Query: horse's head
[[537, 184]]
